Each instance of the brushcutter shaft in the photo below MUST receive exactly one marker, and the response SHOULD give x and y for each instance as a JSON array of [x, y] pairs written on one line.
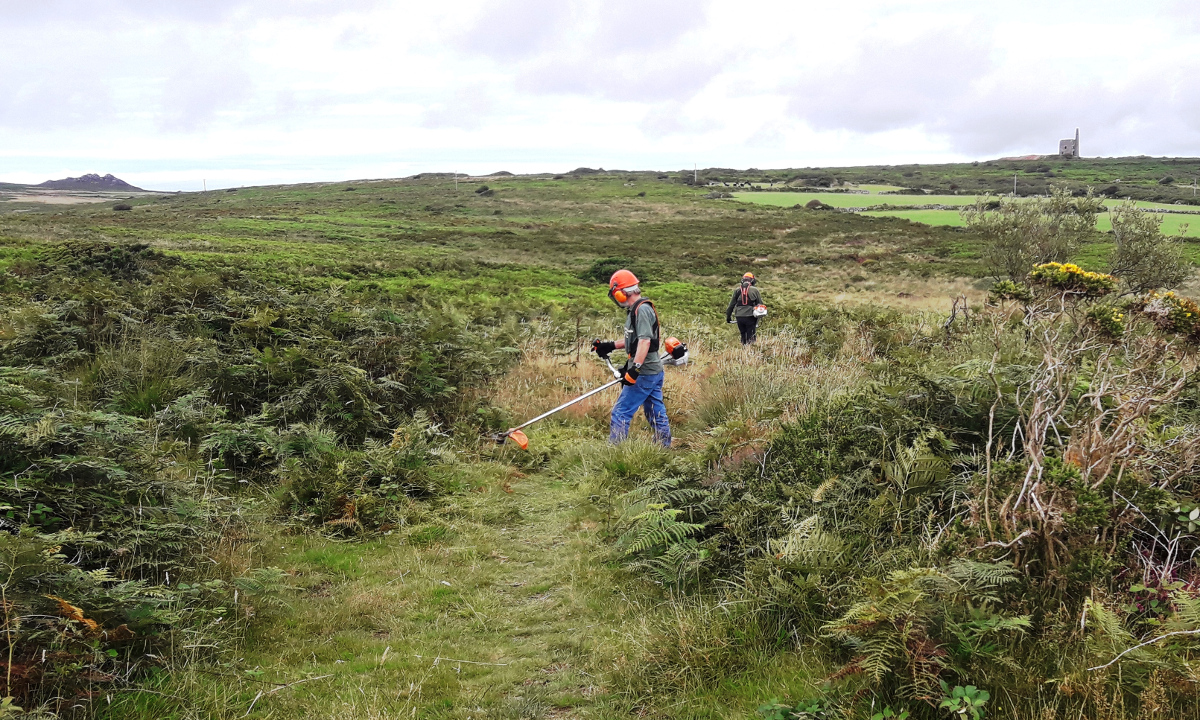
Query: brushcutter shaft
[[569, 403], [565, 405]]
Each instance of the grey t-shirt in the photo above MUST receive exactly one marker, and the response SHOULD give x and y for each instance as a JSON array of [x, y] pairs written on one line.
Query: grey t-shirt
[[645, 329]]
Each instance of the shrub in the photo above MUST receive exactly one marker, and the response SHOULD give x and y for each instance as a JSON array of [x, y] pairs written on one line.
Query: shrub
[[1018, 235], [1009, 290], [104, 541], [348, 490], [1173, 313], [954, 517], [136, 398], [1144, 258], [1110, 321], [1071, 278], [121, 207]]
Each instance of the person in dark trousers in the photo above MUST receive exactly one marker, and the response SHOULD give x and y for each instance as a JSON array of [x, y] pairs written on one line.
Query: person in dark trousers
[[745, 298], [642, 376]]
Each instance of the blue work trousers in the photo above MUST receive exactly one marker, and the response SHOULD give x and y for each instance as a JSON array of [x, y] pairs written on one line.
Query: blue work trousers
[[647, 394]]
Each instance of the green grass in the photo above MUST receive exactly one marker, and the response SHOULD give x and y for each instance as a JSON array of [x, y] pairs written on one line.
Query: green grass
[[942, 218], [1171, 225], [848, 200]]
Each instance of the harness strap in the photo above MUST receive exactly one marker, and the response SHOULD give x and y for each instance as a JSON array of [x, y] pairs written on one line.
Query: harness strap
[[633, 314]]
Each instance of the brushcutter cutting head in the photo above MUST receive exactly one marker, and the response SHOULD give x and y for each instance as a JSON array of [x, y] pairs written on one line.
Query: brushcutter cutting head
[[516, 436]]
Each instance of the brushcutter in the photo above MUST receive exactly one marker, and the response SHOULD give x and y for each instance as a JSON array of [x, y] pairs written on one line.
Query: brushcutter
[[676, 355], [519, 437]]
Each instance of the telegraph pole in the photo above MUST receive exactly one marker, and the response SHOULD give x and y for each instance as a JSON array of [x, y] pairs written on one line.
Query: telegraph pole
[[1014, 184]]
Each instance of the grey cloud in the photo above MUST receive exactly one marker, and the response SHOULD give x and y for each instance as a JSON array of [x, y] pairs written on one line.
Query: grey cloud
[[55, 92], [648, 78], [64, 13], [890, 85], [468, 108], [620, 50], [510, 29], [671, 118], [950, 84], [1022, 116], [637, 25], [517, 29], [194, 93]]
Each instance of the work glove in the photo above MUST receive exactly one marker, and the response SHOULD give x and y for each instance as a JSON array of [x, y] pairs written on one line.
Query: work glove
[[629, 373], [603, 348], [729, 320]]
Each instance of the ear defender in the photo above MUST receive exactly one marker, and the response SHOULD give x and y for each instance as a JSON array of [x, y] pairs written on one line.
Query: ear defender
[[620, 281]]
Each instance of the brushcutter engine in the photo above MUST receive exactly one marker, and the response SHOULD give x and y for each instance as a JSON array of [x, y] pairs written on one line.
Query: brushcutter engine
[[677, 352]]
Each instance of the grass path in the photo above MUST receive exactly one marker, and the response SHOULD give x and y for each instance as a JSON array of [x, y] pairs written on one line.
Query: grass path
[[503, 609], [501, 604]]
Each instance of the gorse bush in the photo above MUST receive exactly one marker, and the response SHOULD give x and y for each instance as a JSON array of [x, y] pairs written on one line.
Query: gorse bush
[[1173, 314], [1070, 277], [137, 395]]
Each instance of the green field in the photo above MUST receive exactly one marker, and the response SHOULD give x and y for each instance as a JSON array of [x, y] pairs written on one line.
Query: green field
[[1164, 180], [1171, 222], [846, 200]]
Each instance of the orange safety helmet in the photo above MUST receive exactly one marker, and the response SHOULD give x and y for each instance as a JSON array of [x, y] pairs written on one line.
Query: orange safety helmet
[[621, 281], [750, 276]]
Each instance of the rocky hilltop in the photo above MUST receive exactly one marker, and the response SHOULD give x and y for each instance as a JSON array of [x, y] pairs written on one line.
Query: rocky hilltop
[[91, 181]]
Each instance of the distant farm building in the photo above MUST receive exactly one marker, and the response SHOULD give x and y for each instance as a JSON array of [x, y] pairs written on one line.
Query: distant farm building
[[1069, 148]]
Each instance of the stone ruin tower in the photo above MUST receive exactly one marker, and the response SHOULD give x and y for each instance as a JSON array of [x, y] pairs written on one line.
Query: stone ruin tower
[[1069, 148]]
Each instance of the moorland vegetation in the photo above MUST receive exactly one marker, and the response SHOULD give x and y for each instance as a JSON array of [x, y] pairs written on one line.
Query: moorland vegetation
[[245, 473]]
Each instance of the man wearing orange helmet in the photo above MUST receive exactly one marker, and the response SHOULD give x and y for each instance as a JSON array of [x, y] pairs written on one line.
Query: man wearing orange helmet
[[642, 375], [746, 299]]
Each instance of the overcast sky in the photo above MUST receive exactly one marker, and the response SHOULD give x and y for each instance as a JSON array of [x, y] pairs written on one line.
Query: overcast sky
[[167, 93]]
